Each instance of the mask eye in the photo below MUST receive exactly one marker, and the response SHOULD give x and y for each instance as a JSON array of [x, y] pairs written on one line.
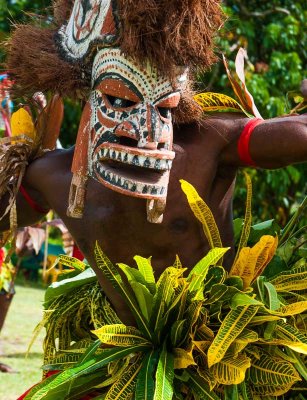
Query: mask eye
[[117, 102], [165, 112]]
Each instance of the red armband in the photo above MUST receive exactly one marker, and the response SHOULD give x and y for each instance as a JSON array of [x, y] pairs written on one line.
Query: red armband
[[36, 207], [243, 143]]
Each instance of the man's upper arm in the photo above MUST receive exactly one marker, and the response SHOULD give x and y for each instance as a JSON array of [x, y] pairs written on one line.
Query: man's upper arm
[[273, 144]]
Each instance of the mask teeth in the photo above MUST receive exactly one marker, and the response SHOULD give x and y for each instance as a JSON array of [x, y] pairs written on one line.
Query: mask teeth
[[137, 160], [135, 187]]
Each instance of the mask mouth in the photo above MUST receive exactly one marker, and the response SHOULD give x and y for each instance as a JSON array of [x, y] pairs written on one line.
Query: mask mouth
[[133, 171]]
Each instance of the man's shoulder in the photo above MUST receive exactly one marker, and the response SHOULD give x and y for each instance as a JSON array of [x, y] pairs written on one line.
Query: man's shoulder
[[61, 158], [216, 129], [51, 163]]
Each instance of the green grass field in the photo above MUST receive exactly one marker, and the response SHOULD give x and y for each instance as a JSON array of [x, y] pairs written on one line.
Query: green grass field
[[24, 314]]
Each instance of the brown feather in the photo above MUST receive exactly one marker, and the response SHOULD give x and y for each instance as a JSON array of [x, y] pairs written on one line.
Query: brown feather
[[53, 115]]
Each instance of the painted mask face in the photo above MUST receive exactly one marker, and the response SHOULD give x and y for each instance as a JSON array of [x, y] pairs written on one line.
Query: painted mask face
[[131, 125]]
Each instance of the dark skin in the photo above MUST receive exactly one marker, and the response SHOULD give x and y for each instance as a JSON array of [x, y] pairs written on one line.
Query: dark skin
[[206, 157]]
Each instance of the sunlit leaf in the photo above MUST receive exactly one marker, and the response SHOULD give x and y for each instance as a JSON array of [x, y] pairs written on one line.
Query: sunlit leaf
[[164, 376], [145, 268], [203, 213], [144, 298], [214, 102], [239, 86], [199, 272], [22, 124], [120, 335], [71, 262], [293, 309]]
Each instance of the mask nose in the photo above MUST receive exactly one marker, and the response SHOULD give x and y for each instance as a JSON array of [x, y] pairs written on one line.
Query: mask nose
[[152, 129], [146, 127]]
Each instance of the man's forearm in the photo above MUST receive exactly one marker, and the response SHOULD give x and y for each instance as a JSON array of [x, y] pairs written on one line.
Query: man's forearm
[[279, 142]]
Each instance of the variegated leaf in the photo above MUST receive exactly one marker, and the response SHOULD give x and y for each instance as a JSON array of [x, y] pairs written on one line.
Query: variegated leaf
[[145, 386], [261, 319], [252, 261], [246, 337], [120, 335], [268, 245], [200, 387], [208, 377], [177, 332], [164, 376], [205, 332], [145, 268], [125, 386], [267, 391], [293, 309], [112, 274], [164, 297], [144, 298], [233, 324], [132, 274], [294, 279], [177, 263], [231, 371], [244, 266], [199, 272], [182, 358], [88, 367], [243, 299], [298, 362], [273, 300], [71, 262], [240, 89], [115, 374], [247, 219], [213, 102], [289, 332], [201, 346], [272, 371], [245, 392]]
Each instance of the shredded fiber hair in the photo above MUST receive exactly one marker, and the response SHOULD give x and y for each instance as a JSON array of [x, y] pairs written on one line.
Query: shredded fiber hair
[[170, 32], [62, 10], [35, 65]]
